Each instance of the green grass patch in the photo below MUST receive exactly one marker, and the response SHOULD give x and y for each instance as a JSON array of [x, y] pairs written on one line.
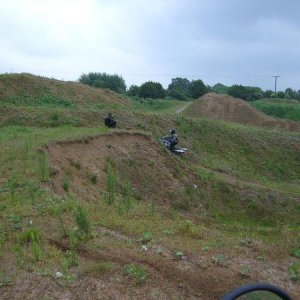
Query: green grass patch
[[47, 101], [284, 109]]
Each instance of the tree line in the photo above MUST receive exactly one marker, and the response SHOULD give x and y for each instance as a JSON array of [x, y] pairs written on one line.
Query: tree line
[[181, 88]]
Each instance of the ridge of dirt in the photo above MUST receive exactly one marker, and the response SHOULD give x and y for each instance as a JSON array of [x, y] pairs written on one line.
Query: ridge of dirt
[[20, 85], [134, 156], [236, 110]]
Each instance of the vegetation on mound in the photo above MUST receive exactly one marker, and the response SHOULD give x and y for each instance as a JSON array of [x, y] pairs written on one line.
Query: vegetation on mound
[[284, 109]]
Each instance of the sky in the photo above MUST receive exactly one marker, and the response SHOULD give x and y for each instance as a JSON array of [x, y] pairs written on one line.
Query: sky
[[228, 41]]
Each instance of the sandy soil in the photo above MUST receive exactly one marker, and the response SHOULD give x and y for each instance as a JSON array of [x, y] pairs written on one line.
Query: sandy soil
[[236, 110]]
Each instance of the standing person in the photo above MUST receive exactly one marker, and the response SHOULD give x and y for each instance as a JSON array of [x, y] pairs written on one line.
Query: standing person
[[109, 121]]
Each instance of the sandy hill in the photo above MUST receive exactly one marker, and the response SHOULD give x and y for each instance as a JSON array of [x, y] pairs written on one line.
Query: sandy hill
[[231, 109], [30, 86], [78, 160]]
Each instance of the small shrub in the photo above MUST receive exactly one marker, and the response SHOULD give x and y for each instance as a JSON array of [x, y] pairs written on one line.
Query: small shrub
[[12, 185], [16, 222], [179, 254], [71, 254], [54, 117], [82, 221], [37, 251], [94, 179], [30, 235], [294, 271], [128, 196], [111, 181], [147, 237], [296, 253], [136, 272], [189, 229], [66, 186]]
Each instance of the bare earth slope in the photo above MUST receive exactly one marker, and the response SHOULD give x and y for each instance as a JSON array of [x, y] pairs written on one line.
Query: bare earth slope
[[132, 156], [231, 109]]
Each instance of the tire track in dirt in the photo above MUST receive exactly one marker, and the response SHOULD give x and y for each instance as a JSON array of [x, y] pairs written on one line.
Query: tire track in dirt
[[198, 283]]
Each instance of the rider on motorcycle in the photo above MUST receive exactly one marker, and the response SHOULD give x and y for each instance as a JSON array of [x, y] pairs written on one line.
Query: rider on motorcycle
[[173, 139]]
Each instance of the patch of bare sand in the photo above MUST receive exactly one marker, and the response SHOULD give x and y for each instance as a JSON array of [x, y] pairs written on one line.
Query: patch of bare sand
[[135, 157], [231, 109]]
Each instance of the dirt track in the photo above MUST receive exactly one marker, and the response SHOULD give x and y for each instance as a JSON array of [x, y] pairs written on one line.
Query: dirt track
[[231, 109]]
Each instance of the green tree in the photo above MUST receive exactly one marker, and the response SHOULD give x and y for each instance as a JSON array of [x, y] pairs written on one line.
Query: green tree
[[247, 93], [151, 89], [133, 90], [292, 94], [102, 80], [179, 88], [268, 93], [197, 88], [220, 88]]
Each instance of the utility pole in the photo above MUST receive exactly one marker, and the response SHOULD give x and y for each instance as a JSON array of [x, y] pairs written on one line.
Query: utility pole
[[276, 76]]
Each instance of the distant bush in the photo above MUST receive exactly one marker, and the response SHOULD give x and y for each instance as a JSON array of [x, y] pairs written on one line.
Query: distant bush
[[179, 88], [152, 90], [133, 90], [247, 93], [102, 80], [220, 88], [197, 88]]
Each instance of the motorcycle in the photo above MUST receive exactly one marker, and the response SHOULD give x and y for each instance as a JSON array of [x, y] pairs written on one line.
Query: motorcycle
[[176, 150]]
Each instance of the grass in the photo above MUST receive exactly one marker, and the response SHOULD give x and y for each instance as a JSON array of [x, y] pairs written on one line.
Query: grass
[[247, 184], [280, 108], [138, 273]]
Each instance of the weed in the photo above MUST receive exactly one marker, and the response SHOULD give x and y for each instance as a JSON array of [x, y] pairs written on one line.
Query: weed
[[188, 228], [296, 253], [120, 205], [16, 222], [30, 235], [59, 212], [66, 185], [294, 271], [54, 117], [37, 251], [33, 189], [43, 167], [111, 181], [147, 237], [128, 196], [5, 280], [153, 207], [218, 260], [136, 272], [71, 254], [12, 185], [245, 271], [82, 221], [94, 178], [179, 254]]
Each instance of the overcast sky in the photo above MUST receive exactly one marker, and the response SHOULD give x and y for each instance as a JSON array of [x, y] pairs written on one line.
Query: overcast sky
[[228, 41]]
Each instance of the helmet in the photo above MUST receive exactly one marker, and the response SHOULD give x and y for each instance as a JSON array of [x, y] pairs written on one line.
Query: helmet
[[173, 131]]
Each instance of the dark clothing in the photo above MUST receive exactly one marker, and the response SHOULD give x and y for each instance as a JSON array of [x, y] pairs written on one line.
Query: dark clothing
[[110, 122], [173, 139]]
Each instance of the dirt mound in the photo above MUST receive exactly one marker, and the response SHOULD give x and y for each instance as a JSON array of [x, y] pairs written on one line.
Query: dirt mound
[[81, 167], [236, 110], [30, 86]]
